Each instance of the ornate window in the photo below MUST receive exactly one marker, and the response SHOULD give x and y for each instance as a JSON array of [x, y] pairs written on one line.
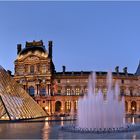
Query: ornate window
[[43, 91], [31, 91], [31, 69], [68, 91], [44, 69]]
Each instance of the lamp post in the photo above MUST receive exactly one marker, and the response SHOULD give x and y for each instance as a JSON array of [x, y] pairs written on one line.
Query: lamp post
[[133, 112]]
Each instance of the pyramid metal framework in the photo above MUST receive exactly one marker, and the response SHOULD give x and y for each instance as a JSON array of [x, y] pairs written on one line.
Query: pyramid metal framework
[[15, 103]]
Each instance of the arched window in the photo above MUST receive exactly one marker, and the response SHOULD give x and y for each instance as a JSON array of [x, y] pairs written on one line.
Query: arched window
[[31, 91], [133, 106], [32, 69], [58, 106], [43, 91]]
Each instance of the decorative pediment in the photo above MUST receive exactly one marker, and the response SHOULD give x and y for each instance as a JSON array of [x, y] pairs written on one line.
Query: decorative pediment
[[31, 58]]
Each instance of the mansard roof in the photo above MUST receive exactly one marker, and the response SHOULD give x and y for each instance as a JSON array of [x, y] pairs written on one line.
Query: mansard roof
[[102, 73], [33, 49], [33, 46]]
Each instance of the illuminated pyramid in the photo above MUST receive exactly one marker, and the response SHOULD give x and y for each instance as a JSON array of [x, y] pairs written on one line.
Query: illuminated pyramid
[[15, 103]]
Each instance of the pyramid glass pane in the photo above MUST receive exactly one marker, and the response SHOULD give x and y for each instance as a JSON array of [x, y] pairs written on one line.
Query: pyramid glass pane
[[15, 103]]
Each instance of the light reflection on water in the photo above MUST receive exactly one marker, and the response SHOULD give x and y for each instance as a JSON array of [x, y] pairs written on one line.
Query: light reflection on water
[[51, 130], [46, 131]]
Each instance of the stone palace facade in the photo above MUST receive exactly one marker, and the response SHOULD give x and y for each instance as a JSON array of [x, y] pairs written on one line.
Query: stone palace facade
[[58, 92]]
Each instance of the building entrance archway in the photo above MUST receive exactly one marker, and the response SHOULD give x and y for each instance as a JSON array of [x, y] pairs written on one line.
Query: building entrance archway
[[58, 106]]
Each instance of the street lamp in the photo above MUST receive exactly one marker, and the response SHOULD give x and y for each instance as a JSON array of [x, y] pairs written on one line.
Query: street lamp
[[133, 111]]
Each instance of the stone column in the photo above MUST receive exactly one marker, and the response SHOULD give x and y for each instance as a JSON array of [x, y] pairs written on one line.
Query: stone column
[[37, 89], [129, 107], [49, 89], [82, 90], [72, 90], [63, 107], [137, 111], [53, 107], [63, 90], [49, 107]]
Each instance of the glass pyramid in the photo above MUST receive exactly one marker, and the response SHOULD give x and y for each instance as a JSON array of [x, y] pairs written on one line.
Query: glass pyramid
[[15, 103]]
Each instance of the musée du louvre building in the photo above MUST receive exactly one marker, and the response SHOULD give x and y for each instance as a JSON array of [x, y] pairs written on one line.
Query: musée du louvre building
[[58, 92]]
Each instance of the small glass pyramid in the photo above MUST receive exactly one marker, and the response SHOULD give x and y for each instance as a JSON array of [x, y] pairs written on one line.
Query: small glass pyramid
[[15, 103]]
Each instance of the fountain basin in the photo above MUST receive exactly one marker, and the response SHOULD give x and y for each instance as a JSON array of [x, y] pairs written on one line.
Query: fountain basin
[[126, 128]]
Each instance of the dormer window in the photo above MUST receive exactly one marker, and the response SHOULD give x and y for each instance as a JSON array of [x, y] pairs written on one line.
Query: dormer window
[[32, 69], [44, 69]]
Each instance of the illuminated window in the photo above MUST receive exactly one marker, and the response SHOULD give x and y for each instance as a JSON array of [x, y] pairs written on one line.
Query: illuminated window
[[77, 91], [68, 91], [32, 69], [68, 106], [31, 91]]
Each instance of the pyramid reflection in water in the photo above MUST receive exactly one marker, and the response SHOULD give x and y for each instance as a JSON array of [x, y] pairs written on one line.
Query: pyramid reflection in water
[[15, 103]]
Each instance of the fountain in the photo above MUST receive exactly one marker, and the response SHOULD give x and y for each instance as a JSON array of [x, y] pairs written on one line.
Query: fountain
[[101, 112]]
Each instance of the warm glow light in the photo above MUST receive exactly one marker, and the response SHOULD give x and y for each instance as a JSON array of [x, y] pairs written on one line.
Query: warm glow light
[[133, 108], [46, 118], [46, 108]]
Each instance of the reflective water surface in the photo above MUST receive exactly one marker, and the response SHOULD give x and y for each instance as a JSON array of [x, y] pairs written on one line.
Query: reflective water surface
[[51, 130]]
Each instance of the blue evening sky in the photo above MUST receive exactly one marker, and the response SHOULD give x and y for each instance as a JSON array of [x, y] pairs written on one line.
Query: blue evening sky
[[87, 35]]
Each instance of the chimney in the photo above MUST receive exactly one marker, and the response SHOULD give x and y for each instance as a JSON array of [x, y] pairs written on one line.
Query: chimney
[[117, 69], [81, 72], [125, 70], [64, 69], [50, 44], [9, 72], [19, 48]]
